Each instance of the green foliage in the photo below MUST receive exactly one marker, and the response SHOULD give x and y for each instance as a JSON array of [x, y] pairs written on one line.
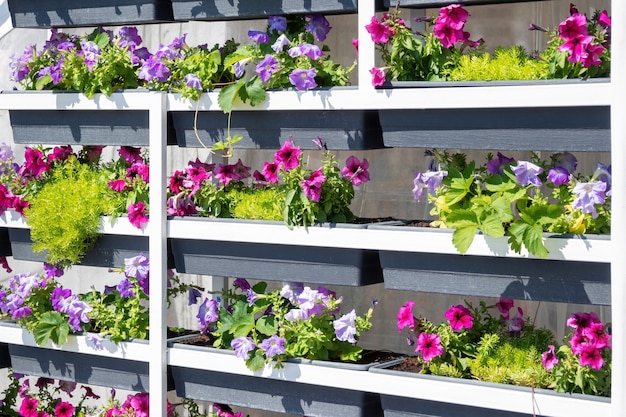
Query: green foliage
[[512, 63], [64, 215], [258, 204], [8, 401], [473, 198], [306, 329]]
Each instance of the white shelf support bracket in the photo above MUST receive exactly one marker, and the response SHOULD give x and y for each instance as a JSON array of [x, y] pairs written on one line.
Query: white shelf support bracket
[[618, 207], [367, 51], [156, 103]]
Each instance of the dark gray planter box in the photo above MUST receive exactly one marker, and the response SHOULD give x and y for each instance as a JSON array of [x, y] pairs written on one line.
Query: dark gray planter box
[[82, 127], [340, 129], [423, 4], [395, 406], [275, 395], [82, 368], [252, 9], [5, 243], [568, 128], [487, 276], [316, 265], [5, 359], [110, 250], [75, 13]]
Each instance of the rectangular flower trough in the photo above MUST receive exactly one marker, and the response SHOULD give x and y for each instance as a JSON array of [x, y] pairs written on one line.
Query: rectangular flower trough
[[340, 129], [272, 394], [423, 4], [251, 9], [75, 13]]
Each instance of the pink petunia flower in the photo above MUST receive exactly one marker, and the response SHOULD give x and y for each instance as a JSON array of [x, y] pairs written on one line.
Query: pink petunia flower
[[460, 317], [549, 358], [405, 316], [429, 345], [356, 170], [137, 214]]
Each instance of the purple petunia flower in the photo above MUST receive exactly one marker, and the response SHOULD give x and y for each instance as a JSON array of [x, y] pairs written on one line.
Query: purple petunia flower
[[526, 173], [280, 43], [95, 339], [588, 194], [305, 49], [251, 296], [267, 67], [193, 81], [565, 160], [137, 266], [207, 314], [303, 79], [129, 37], [193, 296], [243, 346], [242, 284], [91, 52], [558, 176], [125, 288], [345, 327], [273, 345], [497, 164], [318, 26], [240, 67], [258, 36], [154, 69], [277, 23]]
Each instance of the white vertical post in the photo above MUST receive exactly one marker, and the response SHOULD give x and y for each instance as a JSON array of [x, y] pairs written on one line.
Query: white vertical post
[[367, 51], [618, 206], [158, 253]]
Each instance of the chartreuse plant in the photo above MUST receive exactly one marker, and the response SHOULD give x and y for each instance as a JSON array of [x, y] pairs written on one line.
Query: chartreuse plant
[[505, 197], [505, 64], [292, 322], [64, 215]]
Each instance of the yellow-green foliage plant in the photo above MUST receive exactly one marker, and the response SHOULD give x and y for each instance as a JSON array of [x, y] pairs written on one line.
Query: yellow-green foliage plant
[[64, 215], [505, 64]]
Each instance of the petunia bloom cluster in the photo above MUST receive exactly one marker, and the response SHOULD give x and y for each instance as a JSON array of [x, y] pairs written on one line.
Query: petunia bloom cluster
[[294, 321], [585, 40], [473, 194], [285, 183]]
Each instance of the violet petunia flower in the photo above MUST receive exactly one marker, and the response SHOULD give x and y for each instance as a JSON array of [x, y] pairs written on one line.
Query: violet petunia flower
[[558, 176], [154, 69], [429, 345], [303, 79], [565, 160], [306, 49], [267, 67], [193, 295], [193, 81], [280, 43], [277, 23], [137, 267], [242, 346], [258, 36], [526, 173], [345, 327], [318, 26], [588, 194], [207, 315], [129, 37], [273, 345], [125, 288], [497, 164]]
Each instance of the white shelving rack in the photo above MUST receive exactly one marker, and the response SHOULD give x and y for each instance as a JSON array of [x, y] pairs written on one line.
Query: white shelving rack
[[611, 94]]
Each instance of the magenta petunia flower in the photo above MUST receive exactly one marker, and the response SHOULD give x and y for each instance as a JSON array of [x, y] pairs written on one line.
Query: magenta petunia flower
[[405, 316], [576, 48], [459, 317], [378, 76], [28, 408], [596, 335], [429, 345], [582, 320], [504, 305], [130, 154], [141, 404], [64, 409], [588, 194], [453, 16], [573, 27], [303, 79], [270, 172], [516, 324], [118, 185], [604, 20], [288, 156], [549, 358], [34, 164], [356, 170], [448, 35], [137, 214], [591, 356], [379, 32], [60, 153], [225, 173], [592, 56], [526, 173], [312, 186]]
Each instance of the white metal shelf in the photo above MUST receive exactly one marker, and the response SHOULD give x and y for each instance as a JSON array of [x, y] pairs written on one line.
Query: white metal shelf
[[445, 390]]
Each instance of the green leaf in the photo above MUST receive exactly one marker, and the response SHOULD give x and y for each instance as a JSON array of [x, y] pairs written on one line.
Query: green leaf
[[43, 82], [492, 226], [533, 240], [228, 95], [256, 363], [463, 237], [267, 325], [51, 326]]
